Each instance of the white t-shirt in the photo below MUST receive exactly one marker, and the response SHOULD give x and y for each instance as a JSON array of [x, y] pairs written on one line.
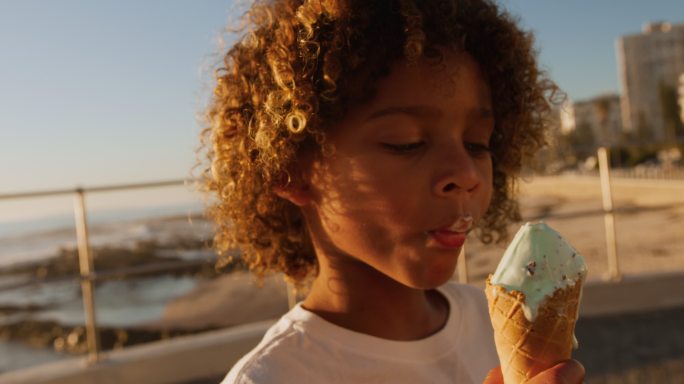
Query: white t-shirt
[[304, 348]]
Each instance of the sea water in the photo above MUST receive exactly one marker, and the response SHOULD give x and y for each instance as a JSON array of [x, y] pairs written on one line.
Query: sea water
[[129, 302], [17, 356], [37, 239]]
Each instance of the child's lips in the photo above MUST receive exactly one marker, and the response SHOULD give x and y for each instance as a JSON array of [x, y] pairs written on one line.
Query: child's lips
[[452, 235], [448, 239]]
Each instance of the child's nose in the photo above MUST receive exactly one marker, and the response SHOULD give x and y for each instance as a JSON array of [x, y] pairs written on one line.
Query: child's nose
[[458, 175]]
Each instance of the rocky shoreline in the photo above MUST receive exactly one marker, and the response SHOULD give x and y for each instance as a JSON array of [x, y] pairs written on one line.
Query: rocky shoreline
[[65, 263], [20, 323]]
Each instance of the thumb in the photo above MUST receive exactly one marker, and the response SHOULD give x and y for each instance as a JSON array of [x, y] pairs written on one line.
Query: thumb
[[567, 372], [494, 376]]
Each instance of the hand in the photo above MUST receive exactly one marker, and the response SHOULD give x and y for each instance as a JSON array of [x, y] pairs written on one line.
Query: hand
[[567, 372]]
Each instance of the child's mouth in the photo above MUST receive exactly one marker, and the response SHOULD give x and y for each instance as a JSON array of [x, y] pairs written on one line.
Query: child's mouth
[[448, 239], [453, 235]]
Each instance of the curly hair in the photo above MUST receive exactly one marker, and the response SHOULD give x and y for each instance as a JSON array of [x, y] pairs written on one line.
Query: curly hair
[[300, 65]]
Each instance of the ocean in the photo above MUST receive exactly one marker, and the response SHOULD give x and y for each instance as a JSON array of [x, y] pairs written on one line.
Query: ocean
[[35, 239], [119, 303]]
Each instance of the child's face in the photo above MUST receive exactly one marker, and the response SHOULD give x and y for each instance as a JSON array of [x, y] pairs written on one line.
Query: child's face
[[406, 166]]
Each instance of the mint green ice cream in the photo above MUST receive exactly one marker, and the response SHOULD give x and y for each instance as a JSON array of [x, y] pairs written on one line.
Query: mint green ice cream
[[537, 263]]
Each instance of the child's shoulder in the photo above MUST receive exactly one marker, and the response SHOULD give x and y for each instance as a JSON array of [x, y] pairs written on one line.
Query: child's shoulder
[[298, 345], [277, 349]]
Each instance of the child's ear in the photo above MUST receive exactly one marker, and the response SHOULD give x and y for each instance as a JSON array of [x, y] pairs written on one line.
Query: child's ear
[[294, 189]]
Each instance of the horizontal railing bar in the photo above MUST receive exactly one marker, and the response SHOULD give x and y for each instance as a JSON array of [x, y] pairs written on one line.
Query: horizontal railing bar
[[635, 144], [113, 274], [105, 188], [600, 211], [119, 187]]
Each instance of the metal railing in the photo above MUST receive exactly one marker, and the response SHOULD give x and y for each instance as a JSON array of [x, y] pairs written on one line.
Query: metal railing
[[608, 214], [88, 275], [86, 269]]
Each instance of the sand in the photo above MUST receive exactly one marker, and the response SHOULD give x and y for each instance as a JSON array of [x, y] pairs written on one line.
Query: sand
[[228, 300], [649, 229]]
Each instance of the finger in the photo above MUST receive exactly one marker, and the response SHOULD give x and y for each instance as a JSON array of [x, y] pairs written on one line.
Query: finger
[[494, 377], [567, 372]]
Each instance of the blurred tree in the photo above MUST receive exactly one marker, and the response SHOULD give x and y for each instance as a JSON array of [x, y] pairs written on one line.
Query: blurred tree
[[644, 132], [557, 154], [582, 141], [602, 107], [671, 113]]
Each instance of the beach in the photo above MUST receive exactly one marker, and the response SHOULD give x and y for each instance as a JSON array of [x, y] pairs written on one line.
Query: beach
[[648, 221]]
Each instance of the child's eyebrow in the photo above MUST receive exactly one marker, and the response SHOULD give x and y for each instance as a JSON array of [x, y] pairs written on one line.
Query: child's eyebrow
[[421, 111], [427, 111]]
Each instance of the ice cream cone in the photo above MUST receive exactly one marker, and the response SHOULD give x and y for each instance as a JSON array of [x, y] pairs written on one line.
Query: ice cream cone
[[526, 347]]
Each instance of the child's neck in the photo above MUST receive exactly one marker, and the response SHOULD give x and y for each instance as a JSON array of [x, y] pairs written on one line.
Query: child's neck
[[377, 305]]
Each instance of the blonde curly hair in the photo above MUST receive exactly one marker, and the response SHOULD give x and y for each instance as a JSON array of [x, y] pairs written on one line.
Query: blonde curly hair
[[300, 65]]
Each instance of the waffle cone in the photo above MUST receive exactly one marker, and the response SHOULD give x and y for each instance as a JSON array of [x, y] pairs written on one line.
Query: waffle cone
[[526, 348]]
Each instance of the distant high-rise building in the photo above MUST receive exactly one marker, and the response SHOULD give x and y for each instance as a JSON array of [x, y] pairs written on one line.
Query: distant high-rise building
[[600, 118], [650, 65]]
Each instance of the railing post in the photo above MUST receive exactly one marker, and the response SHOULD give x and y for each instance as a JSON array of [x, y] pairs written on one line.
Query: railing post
[[462, 265], [86, 268], [291, 295], [608, 215]]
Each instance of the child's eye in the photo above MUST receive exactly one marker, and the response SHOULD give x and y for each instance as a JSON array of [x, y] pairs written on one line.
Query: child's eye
[[477, 149], [404, 148]]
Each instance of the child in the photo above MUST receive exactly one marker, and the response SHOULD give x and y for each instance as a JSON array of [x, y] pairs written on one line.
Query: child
[[353, 146]]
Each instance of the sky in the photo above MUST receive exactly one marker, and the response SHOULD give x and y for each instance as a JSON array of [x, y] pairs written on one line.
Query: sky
[[109, 91]]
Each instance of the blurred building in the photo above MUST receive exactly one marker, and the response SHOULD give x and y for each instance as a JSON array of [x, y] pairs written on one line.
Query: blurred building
[[599, 120], [680, 92], [566, 116], [650, 65]]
